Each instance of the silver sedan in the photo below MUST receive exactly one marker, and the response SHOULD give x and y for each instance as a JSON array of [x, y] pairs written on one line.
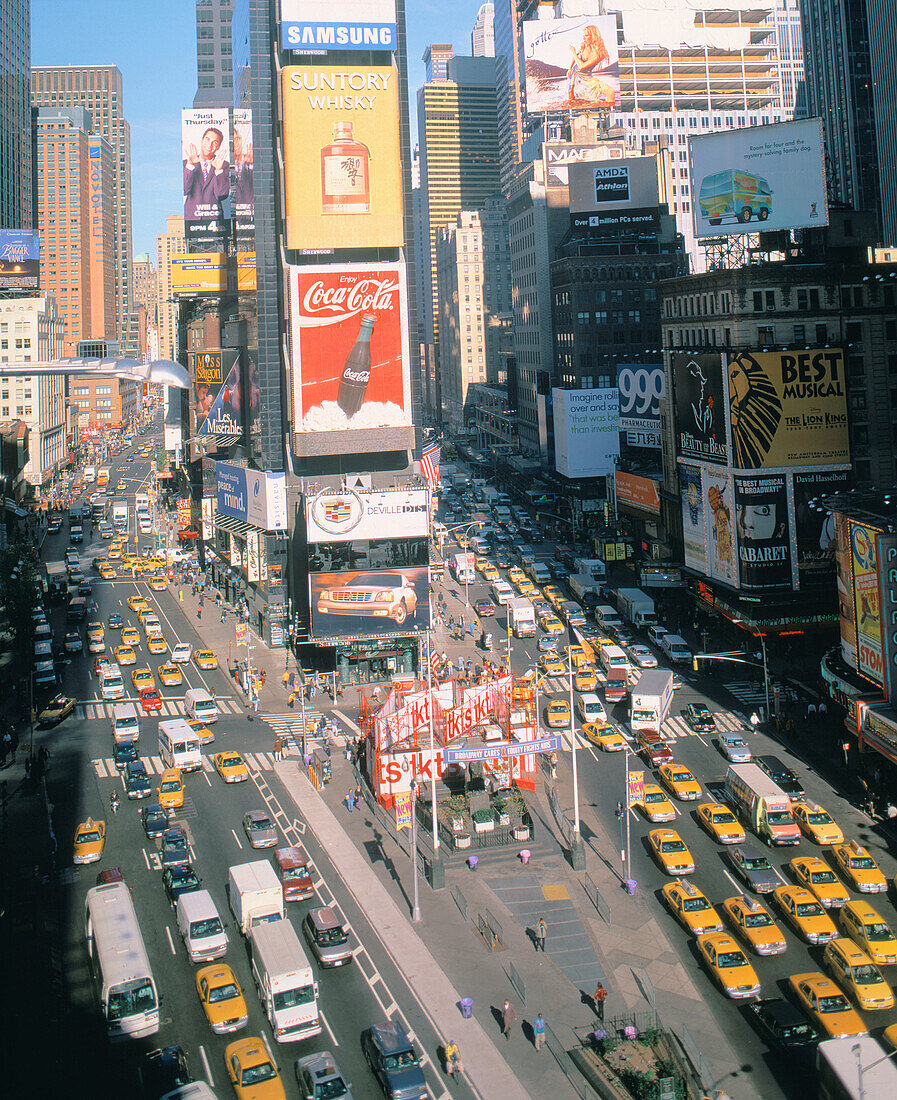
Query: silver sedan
[[259, 829], [642, 656]]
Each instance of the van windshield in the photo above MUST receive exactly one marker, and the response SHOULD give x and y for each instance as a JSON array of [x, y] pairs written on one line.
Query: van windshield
[[211, 926], [293, 998]]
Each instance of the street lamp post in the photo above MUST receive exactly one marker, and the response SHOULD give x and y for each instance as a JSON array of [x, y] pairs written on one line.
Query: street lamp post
[[415, 908], [762, 637], [577, 850], [460, 527]]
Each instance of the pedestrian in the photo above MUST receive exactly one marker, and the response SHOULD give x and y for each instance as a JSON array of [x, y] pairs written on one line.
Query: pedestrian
[[217, 599], [350, 800], [199, 612], [811, 710], [7, 747], [255, 701], [453, 1058], [278, 748], [823, 709], [357, 797], [541, 934], [223, 615], [263, 676], [508, 1019], [28, 768], [599, 998], [539, 1031], [291, 702]]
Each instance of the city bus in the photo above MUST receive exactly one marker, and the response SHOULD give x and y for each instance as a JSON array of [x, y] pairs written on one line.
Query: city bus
[[857, 1067], [119, 964]]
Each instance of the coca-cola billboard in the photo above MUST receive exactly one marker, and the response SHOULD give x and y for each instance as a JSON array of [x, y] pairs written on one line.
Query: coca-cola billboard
[[348, 356]]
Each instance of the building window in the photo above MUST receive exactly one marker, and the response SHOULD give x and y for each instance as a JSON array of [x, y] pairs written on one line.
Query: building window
[[821, 334], [766, 334], [800, 333]]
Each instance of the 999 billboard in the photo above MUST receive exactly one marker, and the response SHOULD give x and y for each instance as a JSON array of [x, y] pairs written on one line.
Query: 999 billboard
[[370, 603]]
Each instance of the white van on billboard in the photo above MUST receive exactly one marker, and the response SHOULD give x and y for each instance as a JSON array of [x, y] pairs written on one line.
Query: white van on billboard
[[742, 181]]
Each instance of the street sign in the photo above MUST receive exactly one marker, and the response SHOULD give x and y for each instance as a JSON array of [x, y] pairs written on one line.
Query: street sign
[[636, 787], [404, 809], [502, 751]]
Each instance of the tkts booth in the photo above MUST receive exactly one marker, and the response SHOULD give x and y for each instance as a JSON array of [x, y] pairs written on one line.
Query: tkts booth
[[488, 723]]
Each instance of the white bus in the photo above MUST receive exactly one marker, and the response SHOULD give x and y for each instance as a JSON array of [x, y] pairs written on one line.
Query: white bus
[[179, 745], [855, 1068], [121, 970]]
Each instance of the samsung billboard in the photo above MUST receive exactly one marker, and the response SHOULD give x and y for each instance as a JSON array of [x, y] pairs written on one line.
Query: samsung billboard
[[309, 26]]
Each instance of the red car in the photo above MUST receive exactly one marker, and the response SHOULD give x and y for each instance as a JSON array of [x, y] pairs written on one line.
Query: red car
[[484, 607], [150, 700]]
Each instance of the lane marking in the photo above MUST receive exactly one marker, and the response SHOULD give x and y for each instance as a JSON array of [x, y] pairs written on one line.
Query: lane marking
[[323, 1020], [237, 839], [170, 940]]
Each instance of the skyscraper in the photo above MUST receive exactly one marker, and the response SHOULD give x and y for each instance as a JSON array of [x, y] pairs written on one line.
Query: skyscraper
[[169, 243], [482, 37], [436, 59], [98, 88], [790, 46], [15, 115], [214, 73]]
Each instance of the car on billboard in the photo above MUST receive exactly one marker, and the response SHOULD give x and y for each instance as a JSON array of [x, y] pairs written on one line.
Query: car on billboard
[[734, 194], [371, 595]]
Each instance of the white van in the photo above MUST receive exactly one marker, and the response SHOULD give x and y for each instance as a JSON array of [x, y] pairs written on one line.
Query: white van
[[502, 592], [200, 705], [608, 617], [589, 708], [125, 724], [538, 572], [676, 649], [200, 926], [179, 746], [112, 686], [480, 546], [152, 628]]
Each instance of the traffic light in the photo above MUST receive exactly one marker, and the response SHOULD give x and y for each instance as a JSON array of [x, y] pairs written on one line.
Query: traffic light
[[694, 663]]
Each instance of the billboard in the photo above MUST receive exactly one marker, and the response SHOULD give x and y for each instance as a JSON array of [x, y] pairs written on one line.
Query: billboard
[[629, 184], [205, 141], [559, 155], [370, 603], [788, 408], [700, 416], [242, 202], [199, 273], [309, 27], [586, 431], [763, 531], [347, 515], [846, 610], [642, 224], [867, 604], [641, 386], [19, 259], [346, 118], [349, 334], [887, 579], [571, 64], [216, 393], [694, 519], [814, 525], [252, 496], [639, 492], [744, 180], [720, 512]]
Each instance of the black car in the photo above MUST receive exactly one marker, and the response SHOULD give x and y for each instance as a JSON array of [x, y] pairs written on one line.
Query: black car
[[180, 880], [137, 782], [175, 848], [124, 753], [785, 1028], [115, 621], [698, 718], [753, 868], [155, 820], [394, 1061], [162, 1071], [85, 588], [502, 559], [782, 776]]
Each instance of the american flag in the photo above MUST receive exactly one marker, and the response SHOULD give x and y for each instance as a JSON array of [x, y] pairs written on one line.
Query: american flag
[[430, 458], [435, 662]]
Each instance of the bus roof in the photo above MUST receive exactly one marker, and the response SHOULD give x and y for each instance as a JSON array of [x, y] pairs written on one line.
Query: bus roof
[[843, 1059]]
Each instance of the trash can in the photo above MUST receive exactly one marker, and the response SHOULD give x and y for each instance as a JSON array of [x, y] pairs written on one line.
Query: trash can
[[630, 885], [466, 1007], [472, 862]]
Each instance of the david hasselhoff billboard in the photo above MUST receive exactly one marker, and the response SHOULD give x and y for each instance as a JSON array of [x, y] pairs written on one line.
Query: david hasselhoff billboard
[[372, 602]]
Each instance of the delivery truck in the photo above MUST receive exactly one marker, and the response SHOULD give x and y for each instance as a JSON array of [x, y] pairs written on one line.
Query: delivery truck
[[57, 580], [594, 567], [636, 607], [763, 806], [586, 589], [255, 895], [120, 516], [522, 617], [652, 698], [284, 980], [462, 567]]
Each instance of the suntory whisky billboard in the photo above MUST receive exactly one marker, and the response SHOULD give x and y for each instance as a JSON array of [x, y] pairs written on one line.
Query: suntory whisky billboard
[[349, 369], [342, 157]]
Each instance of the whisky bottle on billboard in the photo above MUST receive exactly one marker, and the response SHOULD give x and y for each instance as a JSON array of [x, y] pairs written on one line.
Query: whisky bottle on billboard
[[357, 369], [345, 173]]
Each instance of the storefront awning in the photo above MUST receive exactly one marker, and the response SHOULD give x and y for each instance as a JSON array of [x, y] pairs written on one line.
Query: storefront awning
[[235, 526]]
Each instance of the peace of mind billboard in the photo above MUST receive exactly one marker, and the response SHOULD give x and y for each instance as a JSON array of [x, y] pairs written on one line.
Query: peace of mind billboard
[[762, 177], [252, 496]]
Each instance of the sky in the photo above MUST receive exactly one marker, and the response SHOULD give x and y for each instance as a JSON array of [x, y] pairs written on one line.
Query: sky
[[153, 43]]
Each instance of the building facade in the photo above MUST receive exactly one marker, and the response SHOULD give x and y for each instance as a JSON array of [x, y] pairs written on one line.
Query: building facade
[[15, 116], [482, 37], [168, 244], [104, 402], [214, 61]]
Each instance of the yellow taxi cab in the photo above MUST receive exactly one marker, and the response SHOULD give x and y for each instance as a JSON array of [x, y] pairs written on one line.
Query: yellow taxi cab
[[857, 974], [858, 868], [721, 823], [95, 629], [158, 583], [143, 613], [557, 715], [129, 560], [98, 563], [221, 998], [481, 563], [516, 575], [552, 664], [143, 678], [804, 913], [231, 766], [671, 852], [171, 789], [252, 1072], [524, 686], [137, 603], [816, 823], [584, 679], [753, 924], [553, 594], [490, 572], [691, 908], [869, 930], [820, 879], [155, 643], [125, 655], [728, 965], [826, 1005], [203, 734], [655, 805], [551, 624], [130, 635], [170, 674], [154, 564], [114, 553], [107, 572], [204, 658], [90, 839], [608, 738], [526, 588], [577, 656], [679, 781]]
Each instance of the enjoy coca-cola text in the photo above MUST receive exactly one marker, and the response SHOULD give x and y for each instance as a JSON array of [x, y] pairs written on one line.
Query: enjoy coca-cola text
[[365, 295]]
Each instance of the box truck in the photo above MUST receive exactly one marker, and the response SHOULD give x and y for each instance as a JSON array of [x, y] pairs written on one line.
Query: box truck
[[284, 980], [594, 567], [652, 698], [636, 607], [522, 617], [462, 567], [586, 589], [255, 895], [764, 806]]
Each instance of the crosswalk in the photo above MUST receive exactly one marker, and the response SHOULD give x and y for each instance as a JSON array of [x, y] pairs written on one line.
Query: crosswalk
[[255, 761], [747, 692], [170, 707]]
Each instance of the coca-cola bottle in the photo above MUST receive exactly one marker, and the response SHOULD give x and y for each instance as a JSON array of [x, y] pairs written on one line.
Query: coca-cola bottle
[[357, 371]]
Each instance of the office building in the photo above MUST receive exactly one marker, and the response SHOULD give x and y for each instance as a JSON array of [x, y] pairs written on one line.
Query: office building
[[31, 330], [75, 197], [436, 58], [850, 47], [15, 115], [98, 89], [790, 50], [214, 63], [103, 402], [146, 294], [482, 37], [168, 244]]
